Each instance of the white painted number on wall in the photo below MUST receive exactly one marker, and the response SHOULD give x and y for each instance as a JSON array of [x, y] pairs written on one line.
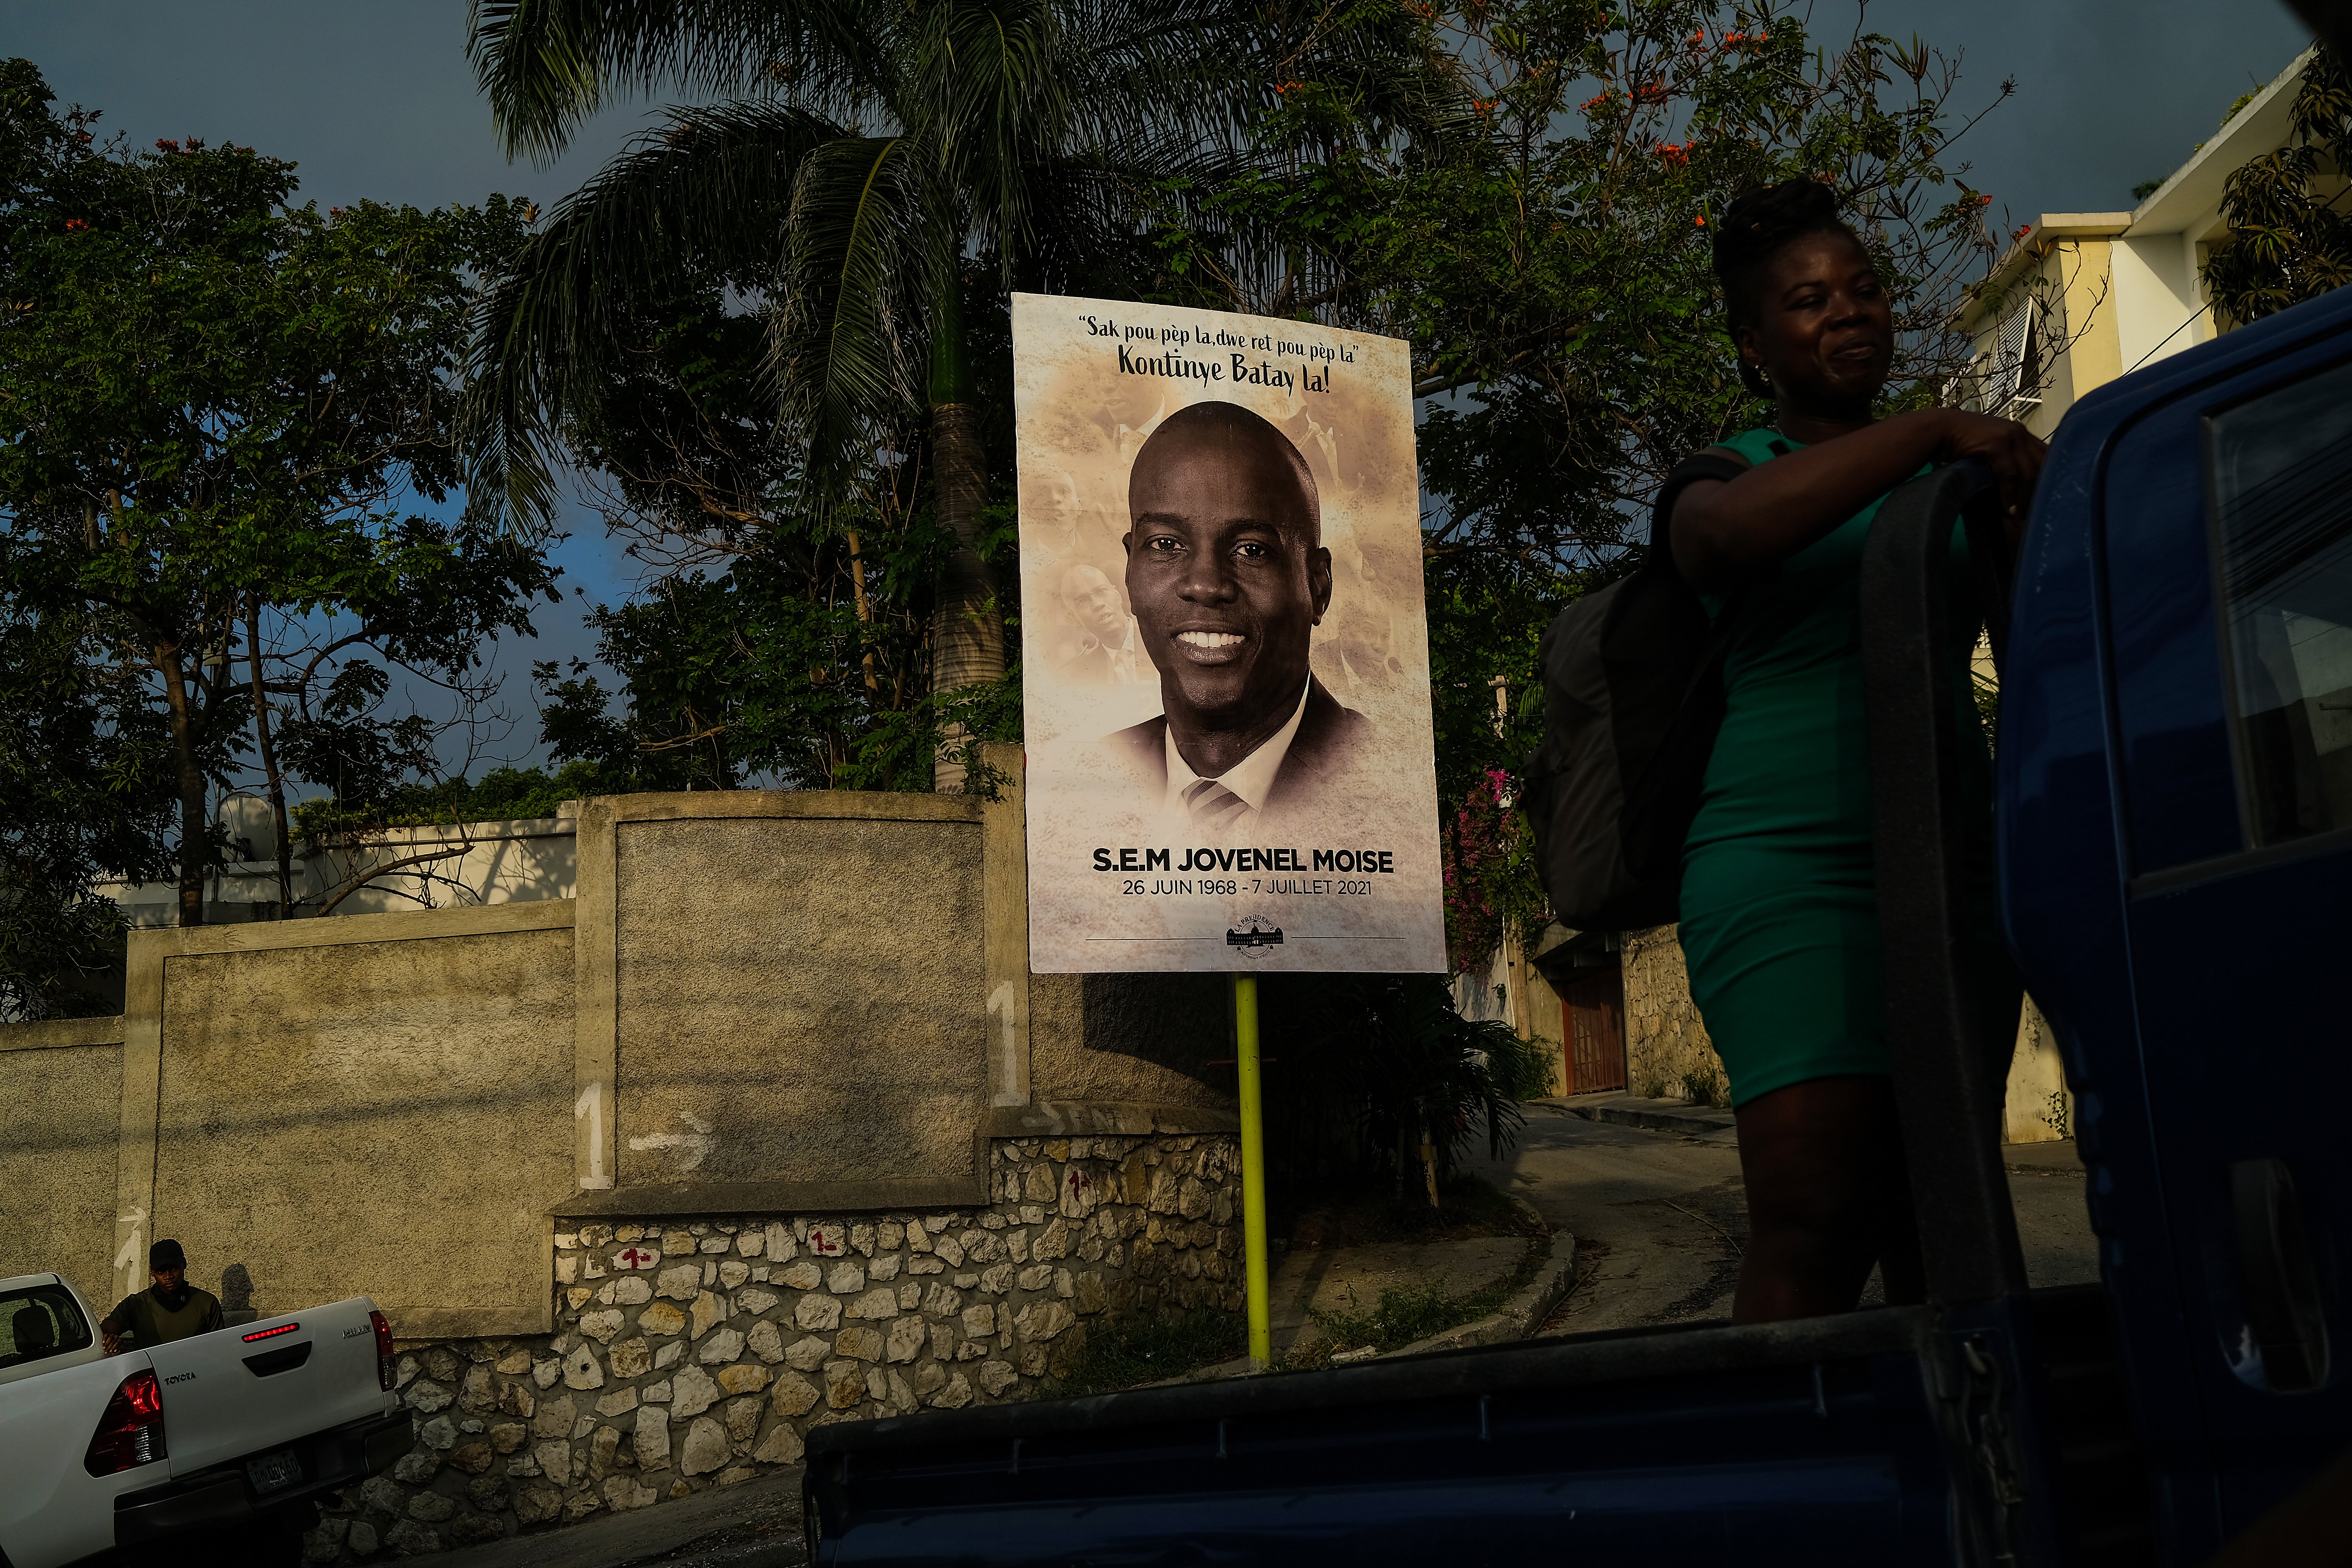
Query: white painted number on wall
[[128, 1262], [589, 1107]]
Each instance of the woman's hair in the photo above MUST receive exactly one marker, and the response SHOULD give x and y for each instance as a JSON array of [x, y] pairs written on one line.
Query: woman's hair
[[1754, 229]]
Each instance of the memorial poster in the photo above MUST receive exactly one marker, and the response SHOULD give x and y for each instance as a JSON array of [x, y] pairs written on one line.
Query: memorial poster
[[1225, 655]]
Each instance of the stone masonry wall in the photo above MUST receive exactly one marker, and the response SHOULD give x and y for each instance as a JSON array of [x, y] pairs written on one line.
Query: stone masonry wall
[[694, 1353], [1665, 1037]]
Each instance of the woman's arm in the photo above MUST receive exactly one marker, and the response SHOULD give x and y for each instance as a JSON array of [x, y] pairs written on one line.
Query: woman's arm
[[1725, 533]]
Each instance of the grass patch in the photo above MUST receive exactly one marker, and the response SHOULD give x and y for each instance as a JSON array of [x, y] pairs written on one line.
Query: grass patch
[[1129, 1353], [1407, 1313]]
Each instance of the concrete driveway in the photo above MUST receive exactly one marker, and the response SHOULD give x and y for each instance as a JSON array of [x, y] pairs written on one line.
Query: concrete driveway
[[1660, 1217]]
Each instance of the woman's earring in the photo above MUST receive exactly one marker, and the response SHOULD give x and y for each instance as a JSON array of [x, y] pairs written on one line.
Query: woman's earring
[[1764, 376]]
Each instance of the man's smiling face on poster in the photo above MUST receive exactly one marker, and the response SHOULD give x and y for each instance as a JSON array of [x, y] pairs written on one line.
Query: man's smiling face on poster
[[1225, 568]]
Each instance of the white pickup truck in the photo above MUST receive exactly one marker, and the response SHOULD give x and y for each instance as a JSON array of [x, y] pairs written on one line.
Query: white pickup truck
[[216, 1433]]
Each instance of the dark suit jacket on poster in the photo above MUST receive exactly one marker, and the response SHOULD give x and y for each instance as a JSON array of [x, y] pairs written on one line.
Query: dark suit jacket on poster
[[1323, 771]]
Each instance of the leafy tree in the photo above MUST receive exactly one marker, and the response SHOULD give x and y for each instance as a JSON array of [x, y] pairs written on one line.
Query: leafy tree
[[2290, 238], [861, 156], [84, 796], [762, 673], [1539, 232], [1372, 1067], [211, 406], [802, 644], [502, 795]]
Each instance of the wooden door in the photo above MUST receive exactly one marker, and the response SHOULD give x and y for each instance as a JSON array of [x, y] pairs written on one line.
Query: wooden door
[[1594, 1001]]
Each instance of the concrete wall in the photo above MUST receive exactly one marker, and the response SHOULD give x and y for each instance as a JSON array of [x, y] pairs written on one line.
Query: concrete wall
[[61, 1083], [758, 1002], [767, 1125], [2038, 1107], [379, 1106], [785, 1016], [1510, 989]]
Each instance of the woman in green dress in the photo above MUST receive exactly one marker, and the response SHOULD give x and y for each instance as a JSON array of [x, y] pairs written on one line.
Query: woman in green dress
[[1778, 904]]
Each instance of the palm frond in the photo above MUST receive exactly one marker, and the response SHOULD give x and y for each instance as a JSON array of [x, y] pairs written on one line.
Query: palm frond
[[869, 242], [696, 199], [985, 94], [546, 65]]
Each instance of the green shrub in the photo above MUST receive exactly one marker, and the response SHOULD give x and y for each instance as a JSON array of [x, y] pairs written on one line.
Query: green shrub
[[1127, 1352], [1705, 1085]]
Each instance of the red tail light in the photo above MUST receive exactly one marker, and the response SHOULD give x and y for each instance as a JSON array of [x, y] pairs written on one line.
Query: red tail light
[[130, 1433], [382, 1326]]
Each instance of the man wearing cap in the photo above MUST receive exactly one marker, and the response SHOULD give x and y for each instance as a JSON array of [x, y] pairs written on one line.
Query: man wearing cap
[[172, 1308]]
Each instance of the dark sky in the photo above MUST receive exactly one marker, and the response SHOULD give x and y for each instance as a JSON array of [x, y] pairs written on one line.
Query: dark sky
[[377, 101]]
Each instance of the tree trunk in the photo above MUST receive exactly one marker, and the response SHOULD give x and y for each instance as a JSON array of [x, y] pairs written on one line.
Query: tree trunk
[[193, 835], [864, 609], [967, 633], [270, 767]]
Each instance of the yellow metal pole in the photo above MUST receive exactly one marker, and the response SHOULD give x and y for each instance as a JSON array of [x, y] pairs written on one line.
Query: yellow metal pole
[[1261, 1328]]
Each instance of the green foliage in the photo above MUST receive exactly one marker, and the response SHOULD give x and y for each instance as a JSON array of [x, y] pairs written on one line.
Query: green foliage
[[2145, 189], [1368, 1064], [1523, 191], [504, 794], [784, 668], [1129, 1353], [84, 795], [1521, 1068], [211, 404], [1705, 1085], [859, 154], [1488, 853], [2290, 238]]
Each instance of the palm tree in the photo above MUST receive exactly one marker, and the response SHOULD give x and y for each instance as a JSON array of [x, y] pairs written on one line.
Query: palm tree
[[861, 156]]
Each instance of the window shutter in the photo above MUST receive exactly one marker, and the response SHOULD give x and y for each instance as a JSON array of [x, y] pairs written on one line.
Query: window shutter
[[2009, 385]]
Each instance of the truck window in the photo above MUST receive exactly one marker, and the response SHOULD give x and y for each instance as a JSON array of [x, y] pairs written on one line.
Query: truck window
[[37, 1324], [2280, 469]]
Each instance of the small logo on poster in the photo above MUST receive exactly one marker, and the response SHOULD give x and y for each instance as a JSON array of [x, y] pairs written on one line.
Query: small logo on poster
[[1252, 933]]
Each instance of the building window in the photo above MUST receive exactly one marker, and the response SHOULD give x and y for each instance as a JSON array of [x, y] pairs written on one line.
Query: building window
[[2012, 368]]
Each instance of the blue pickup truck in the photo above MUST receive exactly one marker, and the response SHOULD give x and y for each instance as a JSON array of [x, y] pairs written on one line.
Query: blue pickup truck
[[2176, 840]]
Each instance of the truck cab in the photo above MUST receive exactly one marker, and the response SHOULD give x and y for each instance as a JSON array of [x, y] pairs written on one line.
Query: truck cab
[[2175, 836], [2176, 831]]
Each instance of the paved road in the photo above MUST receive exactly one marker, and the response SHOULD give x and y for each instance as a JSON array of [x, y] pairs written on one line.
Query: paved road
[[1660, 1217]]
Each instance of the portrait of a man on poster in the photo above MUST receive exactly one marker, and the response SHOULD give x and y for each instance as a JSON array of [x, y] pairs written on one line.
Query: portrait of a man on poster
[[1228, 576]]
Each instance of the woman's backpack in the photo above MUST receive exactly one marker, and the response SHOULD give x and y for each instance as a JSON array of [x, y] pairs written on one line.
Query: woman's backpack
[[1632, 698]]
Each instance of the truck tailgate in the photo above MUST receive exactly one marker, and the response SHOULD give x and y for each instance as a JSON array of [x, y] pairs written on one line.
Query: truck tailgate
[[248, 1389]]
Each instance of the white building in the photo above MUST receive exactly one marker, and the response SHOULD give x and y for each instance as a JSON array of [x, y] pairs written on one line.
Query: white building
[[2086, 297]]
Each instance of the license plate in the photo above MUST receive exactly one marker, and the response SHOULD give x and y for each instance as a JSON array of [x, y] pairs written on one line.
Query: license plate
[[272, 1471]]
